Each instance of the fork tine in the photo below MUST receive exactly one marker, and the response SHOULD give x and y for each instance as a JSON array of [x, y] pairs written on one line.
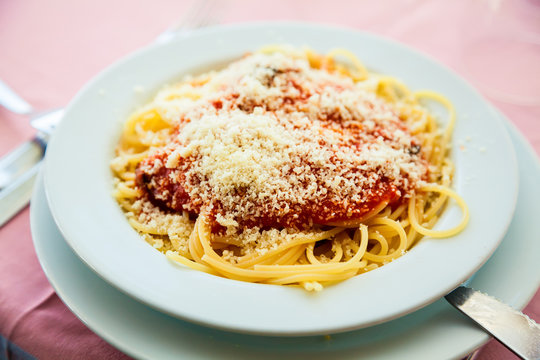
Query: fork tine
[[194, 13], [198, 15]]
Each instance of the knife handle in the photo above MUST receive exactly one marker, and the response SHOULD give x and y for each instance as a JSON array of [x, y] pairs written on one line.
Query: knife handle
[[20, 160], [17, 195]]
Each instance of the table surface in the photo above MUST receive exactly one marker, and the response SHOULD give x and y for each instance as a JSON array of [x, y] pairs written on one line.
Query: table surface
[[49, 50]]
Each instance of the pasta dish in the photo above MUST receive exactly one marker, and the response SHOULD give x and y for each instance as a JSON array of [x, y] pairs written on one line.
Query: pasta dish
[[287, 167]]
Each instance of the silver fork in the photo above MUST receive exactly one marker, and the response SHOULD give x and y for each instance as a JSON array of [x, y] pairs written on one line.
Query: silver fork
[[202, 13], [19, 168]]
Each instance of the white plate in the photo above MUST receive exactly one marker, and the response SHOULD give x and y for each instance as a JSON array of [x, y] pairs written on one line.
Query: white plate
[[437, 331], [78, 184]]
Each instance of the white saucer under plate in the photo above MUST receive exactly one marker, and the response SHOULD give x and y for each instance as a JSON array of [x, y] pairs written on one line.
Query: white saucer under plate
[[435, 332]]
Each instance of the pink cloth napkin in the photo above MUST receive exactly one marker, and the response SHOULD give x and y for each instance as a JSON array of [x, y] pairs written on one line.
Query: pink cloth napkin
[[50, 49]]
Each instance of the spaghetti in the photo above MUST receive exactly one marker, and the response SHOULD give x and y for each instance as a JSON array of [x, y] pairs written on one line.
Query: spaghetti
[[286, 167]]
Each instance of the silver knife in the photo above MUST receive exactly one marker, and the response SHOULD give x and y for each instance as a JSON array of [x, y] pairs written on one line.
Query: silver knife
[[20, 160], [16, 196], [23, 158], [512, 328], [19, 168]]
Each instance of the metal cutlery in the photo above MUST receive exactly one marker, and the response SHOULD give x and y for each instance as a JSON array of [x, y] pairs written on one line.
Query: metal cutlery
[[19, 169], [24, 157], [16, 196], [512, 328], [13, 102]]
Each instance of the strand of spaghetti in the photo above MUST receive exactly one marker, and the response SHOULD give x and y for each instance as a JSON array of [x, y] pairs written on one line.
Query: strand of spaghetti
[[123, 191], [439, 233], [298, 278], [174, 256], [301, 268], [382, 242], [310, 255], [146, 228], [402, 240], [230, 240], [132, 140], [144, 127], [128, 176], [133, 158], [429, 146], [435, 207], [412, 237], [386, 212], [419, 126], [124, 165], [362, 238], [338, 252], [252, 259], [327, 268], [258, 274], [375, 249], [283, 257], [175, 95], [386, 231], [214, 260], [126, 205], [292, 255], [131, 122], [354, 223], [447, 104], [432, 130], [354, 247], [435, 144], [397, 212], [393, 83], [314, 59], [362, 72], [273, 259], [438, 152], [235, 273], [195, 249]]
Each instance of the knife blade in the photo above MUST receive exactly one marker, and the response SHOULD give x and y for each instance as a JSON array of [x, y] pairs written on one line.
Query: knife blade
[[512, 328], [17, 195]]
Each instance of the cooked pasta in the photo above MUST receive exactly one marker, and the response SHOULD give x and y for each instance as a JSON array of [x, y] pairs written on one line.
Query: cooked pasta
[[287, 167]]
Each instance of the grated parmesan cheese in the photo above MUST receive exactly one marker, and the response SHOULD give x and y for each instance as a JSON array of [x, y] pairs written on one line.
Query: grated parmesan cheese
[[271, 139]]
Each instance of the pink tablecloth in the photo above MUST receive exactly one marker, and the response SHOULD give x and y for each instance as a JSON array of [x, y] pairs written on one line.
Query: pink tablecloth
[[49, 49]]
